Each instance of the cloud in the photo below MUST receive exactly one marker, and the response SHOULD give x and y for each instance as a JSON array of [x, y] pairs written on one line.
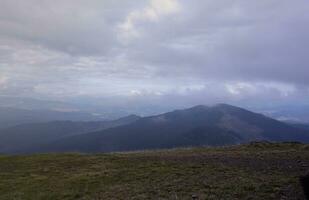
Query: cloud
[[72, 26], [262, 41], [3, 81], [161, 51], [153, 12]]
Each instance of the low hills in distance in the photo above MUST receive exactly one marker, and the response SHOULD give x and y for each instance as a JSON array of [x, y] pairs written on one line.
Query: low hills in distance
[[10, 116], [25, 136], [218, 125]]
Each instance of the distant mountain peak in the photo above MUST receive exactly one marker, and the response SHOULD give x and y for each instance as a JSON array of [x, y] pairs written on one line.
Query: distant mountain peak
[[218, 105], [224, 105], [198, 107]]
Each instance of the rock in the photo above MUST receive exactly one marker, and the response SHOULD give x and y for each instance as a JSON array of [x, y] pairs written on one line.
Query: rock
[[194, 197], [305, 185]]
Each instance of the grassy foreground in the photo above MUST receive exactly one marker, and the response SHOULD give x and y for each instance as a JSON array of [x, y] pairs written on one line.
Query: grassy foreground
[[256, 171]]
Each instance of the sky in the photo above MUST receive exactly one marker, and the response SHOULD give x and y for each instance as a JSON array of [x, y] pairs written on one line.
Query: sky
[[155, 52]]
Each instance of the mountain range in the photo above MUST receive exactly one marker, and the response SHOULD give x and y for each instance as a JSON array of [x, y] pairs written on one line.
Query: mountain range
[[10, 117], [26, 136], [218, 125]]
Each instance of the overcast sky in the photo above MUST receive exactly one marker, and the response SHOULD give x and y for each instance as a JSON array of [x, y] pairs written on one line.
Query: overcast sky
[[156, 51]]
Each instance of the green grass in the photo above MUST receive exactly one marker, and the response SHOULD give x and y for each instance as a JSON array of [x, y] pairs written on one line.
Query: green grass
[[256, 171]]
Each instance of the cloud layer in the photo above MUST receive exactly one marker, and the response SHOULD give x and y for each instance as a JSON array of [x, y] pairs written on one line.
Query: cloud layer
[[161, 51]]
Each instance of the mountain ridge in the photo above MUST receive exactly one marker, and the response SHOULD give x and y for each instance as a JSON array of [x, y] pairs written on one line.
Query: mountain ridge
[[200, 125], [11, 116], [24, 136]]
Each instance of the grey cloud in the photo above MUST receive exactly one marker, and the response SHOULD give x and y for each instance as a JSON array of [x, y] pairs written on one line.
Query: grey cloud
[[265, 40], [73, 26], [161, 51]]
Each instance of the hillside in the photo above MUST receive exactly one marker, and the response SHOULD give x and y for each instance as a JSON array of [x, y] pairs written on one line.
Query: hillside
[[256, 171], [22, 137], [301, 126], [198, 126]]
